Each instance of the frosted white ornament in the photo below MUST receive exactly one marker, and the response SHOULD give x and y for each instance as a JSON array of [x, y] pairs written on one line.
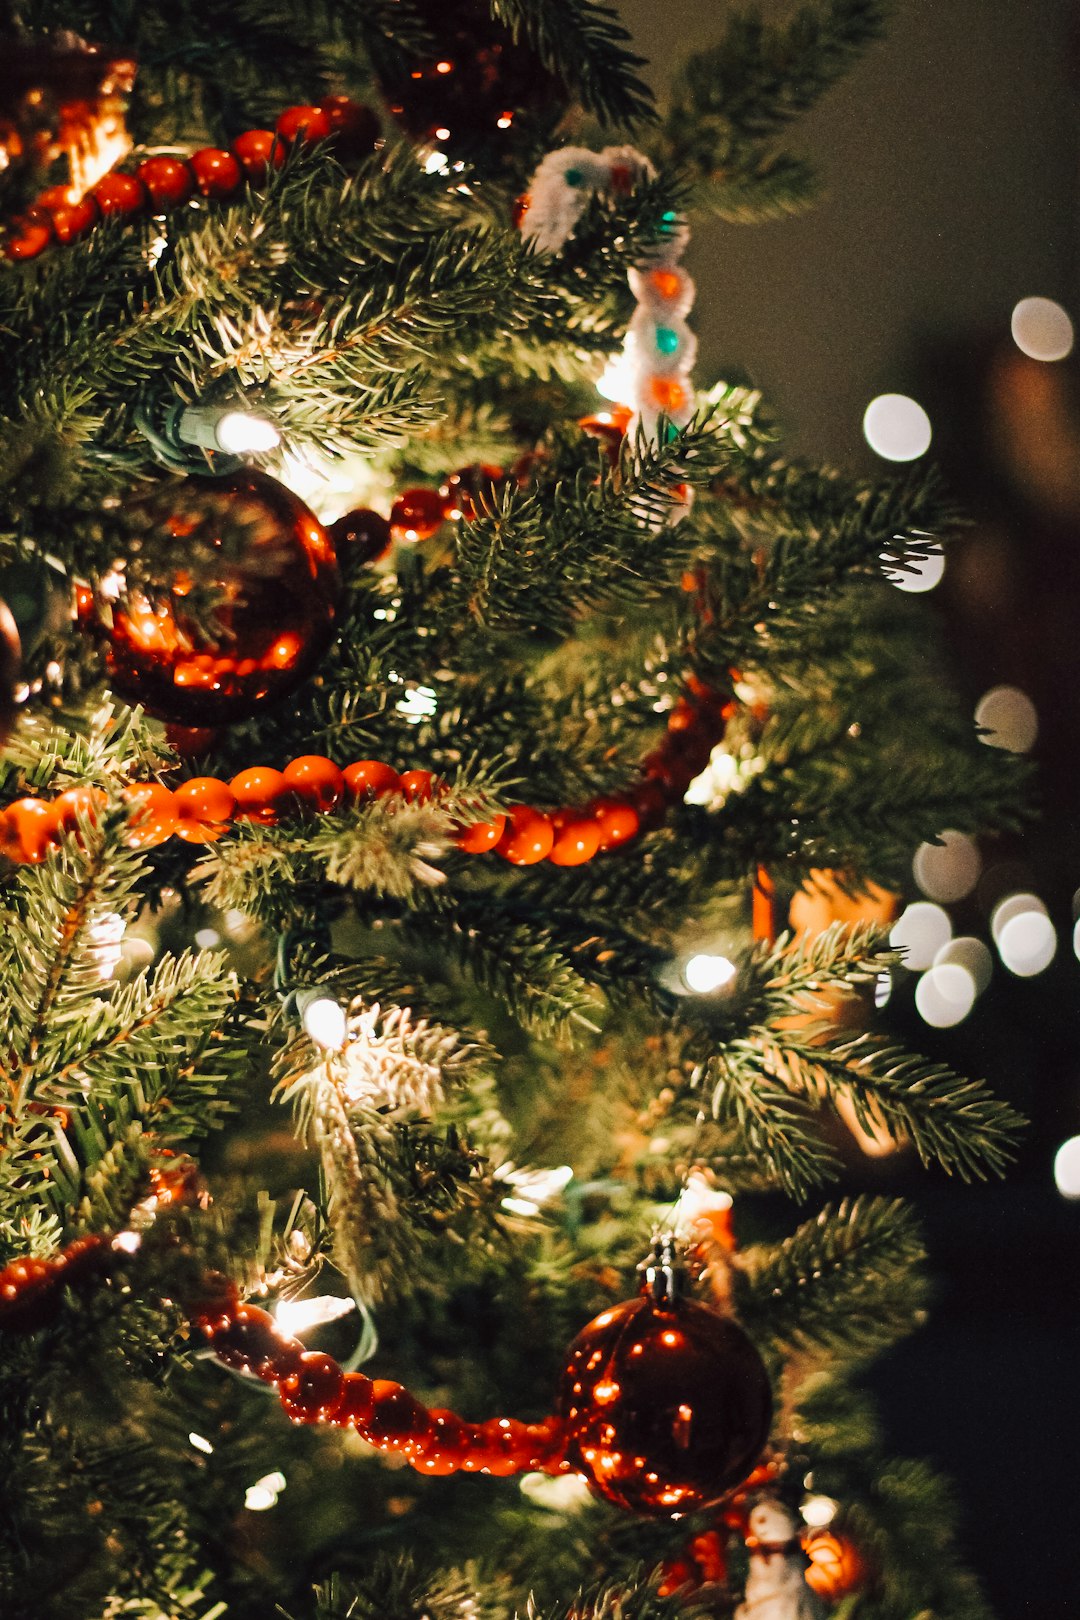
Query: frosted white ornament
[[776, 1586]]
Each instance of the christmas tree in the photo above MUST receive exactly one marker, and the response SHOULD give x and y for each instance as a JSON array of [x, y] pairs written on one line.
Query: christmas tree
[[450, 833]]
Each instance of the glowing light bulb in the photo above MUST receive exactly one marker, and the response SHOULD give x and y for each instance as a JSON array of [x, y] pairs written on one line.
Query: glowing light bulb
[[818, 1511], [616, 381], [947, 870], [918, 573], [704, 973], [1067, 1168], [1014, 905], [324, 1021], [882, 989], [239, 433], [897, 428], [200, 1443], [945, 995], [1008, 719], [1027, 943], [1041, 329], [970, 953], [920, 931], [264, 1493], [297, 1316]]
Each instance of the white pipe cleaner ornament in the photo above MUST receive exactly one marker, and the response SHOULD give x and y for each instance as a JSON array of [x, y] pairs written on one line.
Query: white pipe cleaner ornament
[[659, 350]]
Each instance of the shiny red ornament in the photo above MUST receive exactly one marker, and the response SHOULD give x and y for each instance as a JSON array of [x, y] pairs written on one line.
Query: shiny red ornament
[[243, 610], [666, 1405], [417, 514], [304, 123], [480, 93]]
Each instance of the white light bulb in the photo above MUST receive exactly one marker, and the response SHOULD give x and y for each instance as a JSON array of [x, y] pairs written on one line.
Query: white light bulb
[[1041, 329], [1027, 943], [897, 427], [200, 1443], [616, 381], [324, 1020], [297, 1316], [818, 1511], [704, 973], [239, 433], [1014, 905], [1067, 1168]]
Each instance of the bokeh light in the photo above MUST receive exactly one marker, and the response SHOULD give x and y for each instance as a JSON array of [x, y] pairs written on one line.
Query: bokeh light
[[1067, 1168], [948, 870], [882, 989], [1041, 329], [919, 573], [920, 931], [970, 953], [1008, 719], [324, 1021], [1013, 905], [1027, 943], [945, 995], [897, 428], [704, 973]]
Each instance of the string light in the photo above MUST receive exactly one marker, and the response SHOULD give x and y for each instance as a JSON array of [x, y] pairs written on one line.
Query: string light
[[1027, 943], [1041, 329], [949, 869], [228, 430], [704, 973], [324, 1022], [264, 1493], [897, 428], [1067, 1168], [818, 1511], [918, 574], [298, 1316], [200, 1443]]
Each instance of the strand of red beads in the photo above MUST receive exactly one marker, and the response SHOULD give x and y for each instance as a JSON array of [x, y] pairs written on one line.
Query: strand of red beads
[[312, 1387], [164, 182], [201, 810]]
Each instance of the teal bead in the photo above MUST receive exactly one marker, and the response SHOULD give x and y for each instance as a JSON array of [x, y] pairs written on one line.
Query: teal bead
[[573, 177], [667, 339], [668, 222]]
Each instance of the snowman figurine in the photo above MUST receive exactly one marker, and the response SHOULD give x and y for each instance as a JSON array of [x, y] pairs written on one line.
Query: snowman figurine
[[776, 1586]]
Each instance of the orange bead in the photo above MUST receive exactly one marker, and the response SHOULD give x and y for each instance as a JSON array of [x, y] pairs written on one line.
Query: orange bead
[[316, 782], [217, 173], [528, 837], [204, 808], [256, 150], [577, 838], [28, 831], [312, 1392], [155, 814], [370, 779], [303, 123], [668, 283], [262, 794], [419, 787], [666, 393], [75, 805], [618, 822], [481, 836]]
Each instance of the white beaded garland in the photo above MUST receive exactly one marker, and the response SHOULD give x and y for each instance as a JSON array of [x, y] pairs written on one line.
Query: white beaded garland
[[659, 349]]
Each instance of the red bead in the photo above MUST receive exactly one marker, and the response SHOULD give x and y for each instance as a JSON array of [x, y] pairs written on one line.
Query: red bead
[[262, 794], [256, 150], [247, 1339], [577, 838], [363, 534], [398, 1421], [169, 180], [481, 836], [417, 514], [33, 238], [204, 808], [505, 1445], [28, 832], [72, 220], [217, 173], [618, 822], [303, 123], [355, 1406], [528, 837], [155, 814], [371, 779], [313, 1390], [213, 1298], [190, 741], [316, 782], [666, 1406], [419, 787], [447, 1446], [354, 127], [120, 194]]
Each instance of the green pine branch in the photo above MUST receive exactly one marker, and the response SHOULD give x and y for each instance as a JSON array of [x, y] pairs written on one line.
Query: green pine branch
[[586, 46]]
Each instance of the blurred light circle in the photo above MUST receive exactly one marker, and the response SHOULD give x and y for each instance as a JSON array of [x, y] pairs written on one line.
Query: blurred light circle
[[1008, 718], [945, 995], [970, 953], [1027, 943], [1041, 329], [882, 989], [1067, 1168], [920, 932], [947, 870], [1076, 939], [704, 973], [1014, 905], [919, 573], [897, 427]]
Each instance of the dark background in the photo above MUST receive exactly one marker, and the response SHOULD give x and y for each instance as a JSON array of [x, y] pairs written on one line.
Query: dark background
[[950, 158]]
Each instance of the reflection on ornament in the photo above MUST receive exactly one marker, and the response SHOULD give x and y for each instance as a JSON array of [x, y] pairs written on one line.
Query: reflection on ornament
[[244, 610], [10, 664], [666, 1405], [836, 1569]]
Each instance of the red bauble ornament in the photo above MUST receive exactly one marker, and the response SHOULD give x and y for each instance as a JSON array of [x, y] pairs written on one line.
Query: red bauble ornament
[[354, 128], [477, 92], [666, 1405], [245, 606], [362, 533]]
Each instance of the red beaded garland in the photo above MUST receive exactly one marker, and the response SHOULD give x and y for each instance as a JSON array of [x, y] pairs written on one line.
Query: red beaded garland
[[371, 779], [169, 180], [261, 793], [528, 837], [119, 194], [217, 173], [72, 220], [354, 127], [304, 123], [256, 150], [316, 782]]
